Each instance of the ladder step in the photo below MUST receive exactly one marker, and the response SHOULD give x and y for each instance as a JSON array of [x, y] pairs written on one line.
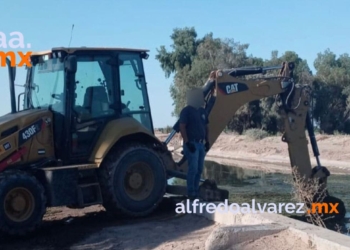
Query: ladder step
[[89, 194]]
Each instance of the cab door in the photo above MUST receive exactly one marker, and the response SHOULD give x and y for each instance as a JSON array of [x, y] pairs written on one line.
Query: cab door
[[133, 89], [95, 101]]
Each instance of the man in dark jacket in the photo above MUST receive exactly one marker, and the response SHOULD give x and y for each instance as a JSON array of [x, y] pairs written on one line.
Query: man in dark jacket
[[194, 131]]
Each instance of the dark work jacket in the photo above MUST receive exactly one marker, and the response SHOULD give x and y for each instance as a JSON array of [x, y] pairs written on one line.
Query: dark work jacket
[[196, 121]]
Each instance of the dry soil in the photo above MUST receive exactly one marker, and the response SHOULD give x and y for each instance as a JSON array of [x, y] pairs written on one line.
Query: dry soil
[[271, 154]]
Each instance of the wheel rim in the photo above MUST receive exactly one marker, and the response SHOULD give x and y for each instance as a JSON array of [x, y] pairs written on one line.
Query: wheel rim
[[139, 181], [19, 204]]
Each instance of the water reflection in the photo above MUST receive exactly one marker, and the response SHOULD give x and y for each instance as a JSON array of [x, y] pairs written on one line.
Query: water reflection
[[236, 176], [230, 176]]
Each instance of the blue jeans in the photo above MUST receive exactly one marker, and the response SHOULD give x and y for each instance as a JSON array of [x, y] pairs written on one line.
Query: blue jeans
[[195, 168]]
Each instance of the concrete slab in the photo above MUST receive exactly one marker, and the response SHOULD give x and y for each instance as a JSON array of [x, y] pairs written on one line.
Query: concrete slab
[[253, 224]]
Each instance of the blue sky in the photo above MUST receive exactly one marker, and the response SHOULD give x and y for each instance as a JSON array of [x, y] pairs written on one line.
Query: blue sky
[[307, 27]]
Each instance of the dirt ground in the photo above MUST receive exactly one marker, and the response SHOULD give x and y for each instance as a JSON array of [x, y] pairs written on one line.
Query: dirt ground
[[280, 241], [92, 228], [181, 232]]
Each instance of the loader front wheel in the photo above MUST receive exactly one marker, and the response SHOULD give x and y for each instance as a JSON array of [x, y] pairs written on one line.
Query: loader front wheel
[[22, 203], [133, 180]]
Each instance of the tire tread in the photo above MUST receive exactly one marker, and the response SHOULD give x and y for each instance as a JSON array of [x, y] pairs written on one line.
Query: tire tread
[[106, 179], [21, 175]]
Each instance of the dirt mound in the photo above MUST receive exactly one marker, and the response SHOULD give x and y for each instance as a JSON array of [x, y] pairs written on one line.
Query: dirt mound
[[281, 241]]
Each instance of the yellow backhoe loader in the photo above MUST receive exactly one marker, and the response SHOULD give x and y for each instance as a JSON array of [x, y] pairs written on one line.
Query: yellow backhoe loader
[[81, 134]]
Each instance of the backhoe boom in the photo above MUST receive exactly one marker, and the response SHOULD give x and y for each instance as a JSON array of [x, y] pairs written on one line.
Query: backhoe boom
[[228, 90]]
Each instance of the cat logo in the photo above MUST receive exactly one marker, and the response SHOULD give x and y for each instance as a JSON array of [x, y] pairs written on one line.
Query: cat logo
[[232, 88], [229, 88]]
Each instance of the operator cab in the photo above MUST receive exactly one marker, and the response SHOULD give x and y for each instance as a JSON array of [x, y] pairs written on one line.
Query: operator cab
[[85, 88]]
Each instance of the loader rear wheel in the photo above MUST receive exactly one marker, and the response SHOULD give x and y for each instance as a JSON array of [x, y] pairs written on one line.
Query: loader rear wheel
[[133, 180], [22, 203]]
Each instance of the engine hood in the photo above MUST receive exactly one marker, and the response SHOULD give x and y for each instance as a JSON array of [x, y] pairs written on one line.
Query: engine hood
[[20, 119]]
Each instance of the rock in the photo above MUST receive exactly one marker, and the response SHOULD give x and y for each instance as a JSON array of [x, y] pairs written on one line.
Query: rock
[[224, 238]]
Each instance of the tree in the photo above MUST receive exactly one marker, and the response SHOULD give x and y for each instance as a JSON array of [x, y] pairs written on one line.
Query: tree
[[332, 92], [191, 60], [179, 61]]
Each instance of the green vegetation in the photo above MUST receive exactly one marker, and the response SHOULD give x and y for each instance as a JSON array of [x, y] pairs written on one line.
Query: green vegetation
[[166, 130], [191, 59]]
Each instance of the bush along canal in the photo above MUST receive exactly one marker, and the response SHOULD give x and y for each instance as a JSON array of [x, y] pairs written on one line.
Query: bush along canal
[[244, 185]]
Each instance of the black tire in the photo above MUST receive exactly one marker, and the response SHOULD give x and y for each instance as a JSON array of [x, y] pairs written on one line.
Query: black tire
[[113, 174], [30, 190]]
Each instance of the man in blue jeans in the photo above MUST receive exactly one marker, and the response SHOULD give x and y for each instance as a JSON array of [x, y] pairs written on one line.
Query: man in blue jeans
[[194, 131]]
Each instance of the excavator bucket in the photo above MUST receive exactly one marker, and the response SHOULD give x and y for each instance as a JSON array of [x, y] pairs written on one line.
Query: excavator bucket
[[209, 191]]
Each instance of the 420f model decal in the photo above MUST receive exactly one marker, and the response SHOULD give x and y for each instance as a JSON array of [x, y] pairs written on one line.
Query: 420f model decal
[[28, 132], [228, 88]]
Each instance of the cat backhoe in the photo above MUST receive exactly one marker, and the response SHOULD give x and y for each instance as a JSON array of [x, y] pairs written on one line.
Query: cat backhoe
[[229, 89], [81, 134]]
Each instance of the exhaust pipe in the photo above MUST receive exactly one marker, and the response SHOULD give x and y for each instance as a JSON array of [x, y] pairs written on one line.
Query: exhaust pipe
[[12, 76]]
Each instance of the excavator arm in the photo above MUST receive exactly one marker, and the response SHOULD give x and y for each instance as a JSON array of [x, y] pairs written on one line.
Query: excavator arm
[[229, 89]]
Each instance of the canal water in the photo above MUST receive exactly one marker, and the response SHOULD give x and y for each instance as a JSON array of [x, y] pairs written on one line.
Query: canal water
[[247, 184]]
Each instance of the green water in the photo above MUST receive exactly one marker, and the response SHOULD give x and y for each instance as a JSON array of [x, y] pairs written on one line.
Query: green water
[[246, 184]]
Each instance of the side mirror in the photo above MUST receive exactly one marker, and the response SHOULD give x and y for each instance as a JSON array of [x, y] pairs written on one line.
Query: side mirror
[[144, 55], [71, 64]]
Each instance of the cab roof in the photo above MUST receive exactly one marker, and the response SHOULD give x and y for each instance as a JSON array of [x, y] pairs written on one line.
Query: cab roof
[[73, 49]]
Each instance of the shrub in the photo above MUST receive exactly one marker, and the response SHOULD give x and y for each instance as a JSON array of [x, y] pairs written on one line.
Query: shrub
[[166, 130], [256, 134]]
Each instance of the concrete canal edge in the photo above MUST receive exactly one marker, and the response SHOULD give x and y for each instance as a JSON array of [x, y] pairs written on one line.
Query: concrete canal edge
[[236, 228]]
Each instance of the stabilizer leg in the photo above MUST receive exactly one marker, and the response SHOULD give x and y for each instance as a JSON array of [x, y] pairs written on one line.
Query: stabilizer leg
[[208, 190]]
